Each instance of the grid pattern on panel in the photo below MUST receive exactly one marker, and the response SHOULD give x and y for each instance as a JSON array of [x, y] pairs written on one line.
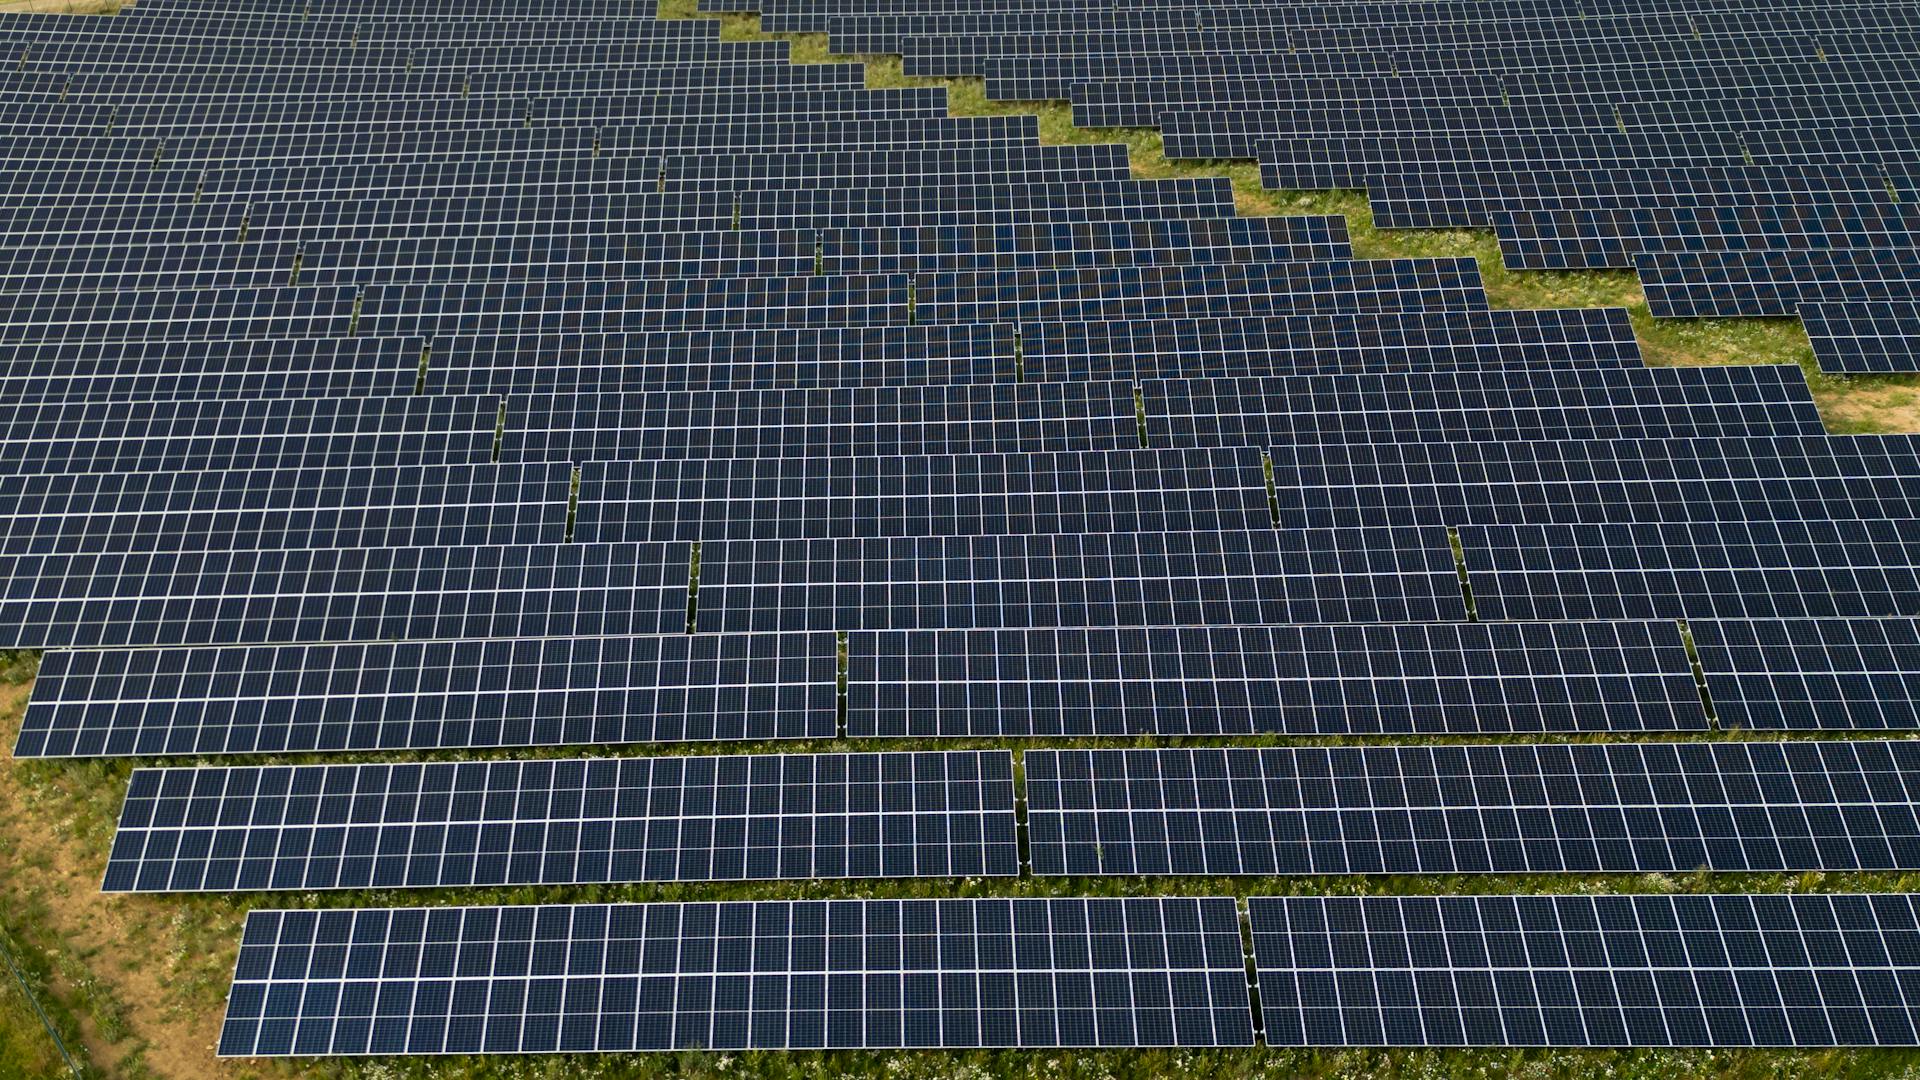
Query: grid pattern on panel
[[425, 695], [62, 371], [1550, 236], [1078, 580], [1593, 480], [265, 509], [1732, 569], [569, 822], [933, 495], [1326, 343], [1437, 195], [1864, 337], [1515, 808], [463, 307], [1435, 678], [821, 423], [722, 359], [746, 975], [1494, 405], [146, 436], [343, 594], [1632, 970], [1811, 674], [1772, 282], [1282, 288]]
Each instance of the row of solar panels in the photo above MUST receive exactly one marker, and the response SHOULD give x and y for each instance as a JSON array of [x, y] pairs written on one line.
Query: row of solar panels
[[1505, 808], [1281, 411], [1305, 484], [1642, 970], [1065, 351], [1831, 674], [1216, 578]]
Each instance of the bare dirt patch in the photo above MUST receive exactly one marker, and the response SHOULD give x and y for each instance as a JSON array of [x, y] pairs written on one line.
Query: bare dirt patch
[[126, 963]]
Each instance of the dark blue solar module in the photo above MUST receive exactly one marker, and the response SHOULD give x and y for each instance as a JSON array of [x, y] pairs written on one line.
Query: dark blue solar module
[[1699, 569], [1633, 970], [773, 974], [1436, 678], [1514, 808], [569, 822], [1809, 674], [423, 695], [1620, 480], [1863, 337]]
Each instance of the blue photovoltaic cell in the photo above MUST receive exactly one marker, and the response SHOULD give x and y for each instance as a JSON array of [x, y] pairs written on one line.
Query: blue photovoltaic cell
[[771, 974], [1633, 970], [424, 695], [1811, 674], [1864, 337], [1434, 678], [569, 822], [1515, 808]]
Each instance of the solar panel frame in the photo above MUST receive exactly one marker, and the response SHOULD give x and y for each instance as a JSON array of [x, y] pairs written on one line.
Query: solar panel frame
[[1386, 679], [426, 695], [1514, 808], [1810, 674], [1862, 337], [985, 972], [741, 817], [1635, 969]]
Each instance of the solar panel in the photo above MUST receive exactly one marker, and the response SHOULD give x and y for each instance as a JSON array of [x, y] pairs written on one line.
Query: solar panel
[[1517, 808], [1494, 405], [899, 167], [1863, 337], [345, 594], [425, 695], [840, 422], [820, 357], [1326, 161], [1573, 480], [265, 509], [1073, 579], [534, 213], [1077, 580], [975, 494], [132, 57], [1074, 162], [1781, 569], [1811, 674], [149, 436], [401, 145], [1100, 100], [596, 252], [272, 367], [1327, 343], [1439, 678], [743, 817], [770, 974], [600, 361], [1555, 237], [1435, 194], [1633, 970], [434, 308], [334, 116], [628, 72]]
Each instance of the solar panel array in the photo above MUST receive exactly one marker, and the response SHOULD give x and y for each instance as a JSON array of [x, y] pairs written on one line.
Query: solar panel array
[[1746, 160], [388, 376]]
